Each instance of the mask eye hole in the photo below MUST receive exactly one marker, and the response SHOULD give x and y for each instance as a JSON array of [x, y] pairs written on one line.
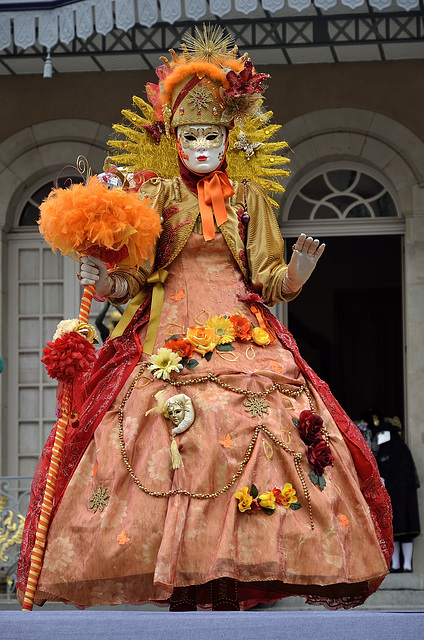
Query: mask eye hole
[[190, 137], [211, 136]]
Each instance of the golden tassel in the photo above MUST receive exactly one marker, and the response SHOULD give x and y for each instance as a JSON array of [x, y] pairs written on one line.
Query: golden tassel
[[175, 455]]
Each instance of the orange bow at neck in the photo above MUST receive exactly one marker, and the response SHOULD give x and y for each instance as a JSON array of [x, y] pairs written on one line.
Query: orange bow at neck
[[213, 191]]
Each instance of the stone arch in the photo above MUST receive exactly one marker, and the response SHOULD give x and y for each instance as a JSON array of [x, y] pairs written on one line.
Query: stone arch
[[356, 135], [29, 158], [39, 152]]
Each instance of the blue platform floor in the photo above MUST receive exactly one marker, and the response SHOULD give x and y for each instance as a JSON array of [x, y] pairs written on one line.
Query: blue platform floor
[[254, 625]]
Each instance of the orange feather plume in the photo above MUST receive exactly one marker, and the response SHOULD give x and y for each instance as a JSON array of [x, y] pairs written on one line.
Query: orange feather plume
[[83, 217]]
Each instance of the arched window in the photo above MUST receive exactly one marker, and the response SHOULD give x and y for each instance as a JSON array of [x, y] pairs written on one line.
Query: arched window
[[43, 290], [30, 211], [351, 309], [342, 198]]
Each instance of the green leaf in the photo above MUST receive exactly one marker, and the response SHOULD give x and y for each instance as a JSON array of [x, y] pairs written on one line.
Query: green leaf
[[184, 361], [321, 482], [173, 337], [295, 421], [208, 355], [225, 347], [191, 364], [295, 506], [254, 491], [269, 512], [314, 477]]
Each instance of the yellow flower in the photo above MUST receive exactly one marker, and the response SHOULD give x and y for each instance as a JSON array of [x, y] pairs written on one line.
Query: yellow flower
[[203, 339], [245, 500], [223, 328], [260, 336], [286, 496], [163, 362], [267, 500]]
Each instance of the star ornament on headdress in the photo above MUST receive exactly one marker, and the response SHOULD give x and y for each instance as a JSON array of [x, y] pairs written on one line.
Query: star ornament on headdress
[[211, 46], [199, 98]]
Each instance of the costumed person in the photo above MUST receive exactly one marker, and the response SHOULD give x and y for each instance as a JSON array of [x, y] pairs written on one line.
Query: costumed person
[[399, 474], [209, 466], [114, 317]]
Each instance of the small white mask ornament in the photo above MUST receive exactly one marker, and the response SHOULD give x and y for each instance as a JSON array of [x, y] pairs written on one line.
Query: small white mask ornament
[[180, 411]]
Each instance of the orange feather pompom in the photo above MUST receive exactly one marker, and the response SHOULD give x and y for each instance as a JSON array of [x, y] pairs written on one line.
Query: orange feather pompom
[[83, 218]]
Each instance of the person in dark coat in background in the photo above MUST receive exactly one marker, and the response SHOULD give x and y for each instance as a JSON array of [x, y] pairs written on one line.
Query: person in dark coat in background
[[398, 471]]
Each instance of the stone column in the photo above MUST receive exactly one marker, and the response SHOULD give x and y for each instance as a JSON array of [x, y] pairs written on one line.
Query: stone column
[[412, 204]]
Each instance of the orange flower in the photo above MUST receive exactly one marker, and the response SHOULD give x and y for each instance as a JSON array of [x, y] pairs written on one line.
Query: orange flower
[[242, 327], [203, 339], [285, 496], [261, 336], [180, 346]]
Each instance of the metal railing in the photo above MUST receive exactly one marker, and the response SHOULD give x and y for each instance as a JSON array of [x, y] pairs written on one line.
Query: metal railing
[[14, 500]]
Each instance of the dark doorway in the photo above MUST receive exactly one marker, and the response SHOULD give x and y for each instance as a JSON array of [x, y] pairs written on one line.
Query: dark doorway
[[348, 322]]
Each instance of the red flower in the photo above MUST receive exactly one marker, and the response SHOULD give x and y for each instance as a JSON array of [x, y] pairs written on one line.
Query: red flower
[[254, 506], [68, 355], [310, 425], [245, 83], [155, 130], [183, 348], [242, 326], [109, 256], [320, 456]]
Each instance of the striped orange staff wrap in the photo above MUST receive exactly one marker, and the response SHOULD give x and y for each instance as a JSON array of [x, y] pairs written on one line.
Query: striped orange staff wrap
[[57, 449]]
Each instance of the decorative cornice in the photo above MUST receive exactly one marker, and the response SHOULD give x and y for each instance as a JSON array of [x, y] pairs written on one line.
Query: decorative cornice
[[63, 20]]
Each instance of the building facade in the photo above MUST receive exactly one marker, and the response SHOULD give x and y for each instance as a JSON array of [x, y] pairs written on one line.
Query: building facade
[[360, 122]]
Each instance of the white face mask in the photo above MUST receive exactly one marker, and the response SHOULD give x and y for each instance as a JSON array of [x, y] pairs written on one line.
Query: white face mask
[[201, 147]]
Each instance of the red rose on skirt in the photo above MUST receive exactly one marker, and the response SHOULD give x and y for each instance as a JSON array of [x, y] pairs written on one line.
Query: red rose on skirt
[[310, 427], [320, 456]]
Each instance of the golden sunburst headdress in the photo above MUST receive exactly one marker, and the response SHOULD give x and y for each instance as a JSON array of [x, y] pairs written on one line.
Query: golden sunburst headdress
[[207, 84]]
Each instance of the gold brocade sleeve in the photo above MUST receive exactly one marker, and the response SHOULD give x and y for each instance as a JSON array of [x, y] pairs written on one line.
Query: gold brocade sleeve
[[265, 247], [160, 192]]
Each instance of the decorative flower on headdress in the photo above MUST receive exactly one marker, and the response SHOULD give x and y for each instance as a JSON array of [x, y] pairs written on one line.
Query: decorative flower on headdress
[[246, 82], [243, 96], [155, 130]]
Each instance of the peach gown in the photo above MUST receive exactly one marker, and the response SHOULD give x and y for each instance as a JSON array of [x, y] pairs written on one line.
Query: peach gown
[[141, 546]]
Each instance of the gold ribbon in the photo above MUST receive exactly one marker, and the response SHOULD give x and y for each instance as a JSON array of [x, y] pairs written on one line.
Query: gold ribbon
[[156, 279]]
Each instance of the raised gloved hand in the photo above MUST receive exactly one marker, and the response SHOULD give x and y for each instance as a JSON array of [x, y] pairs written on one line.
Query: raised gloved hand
[[306, 253], [94, 271]]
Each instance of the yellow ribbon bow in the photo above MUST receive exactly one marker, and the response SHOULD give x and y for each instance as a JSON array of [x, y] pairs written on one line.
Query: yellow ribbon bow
[[156, 279]]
